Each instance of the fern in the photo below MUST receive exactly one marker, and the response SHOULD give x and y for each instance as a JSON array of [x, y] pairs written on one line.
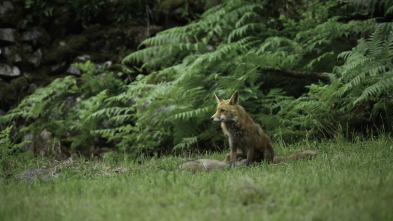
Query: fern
[[376, 90], [36, 104], [227, 49], [367, 66], [254, 47], [186, 142]]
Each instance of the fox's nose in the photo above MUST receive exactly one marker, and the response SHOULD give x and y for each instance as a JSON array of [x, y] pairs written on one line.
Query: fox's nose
[[212, 118]]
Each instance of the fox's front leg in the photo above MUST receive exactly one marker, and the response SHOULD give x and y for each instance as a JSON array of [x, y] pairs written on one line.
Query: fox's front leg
[[233, 153], [233, 157], [250, 155]]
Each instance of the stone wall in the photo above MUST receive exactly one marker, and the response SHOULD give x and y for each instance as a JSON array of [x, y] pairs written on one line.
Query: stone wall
[[32, 54]]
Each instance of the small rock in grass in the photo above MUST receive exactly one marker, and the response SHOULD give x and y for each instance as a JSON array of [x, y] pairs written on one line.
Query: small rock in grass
[[35, 174]]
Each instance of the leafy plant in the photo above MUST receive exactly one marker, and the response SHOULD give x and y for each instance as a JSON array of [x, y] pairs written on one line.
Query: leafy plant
[[36, 10], [234, 47], [10, 150], [64, 107], [6, 145], [304, 71]]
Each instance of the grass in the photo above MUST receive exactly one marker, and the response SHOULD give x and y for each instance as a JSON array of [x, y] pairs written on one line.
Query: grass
[[346, 181]]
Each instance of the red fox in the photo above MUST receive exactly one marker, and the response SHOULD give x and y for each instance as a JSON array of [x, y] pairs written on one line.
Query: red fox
[[246, 138]]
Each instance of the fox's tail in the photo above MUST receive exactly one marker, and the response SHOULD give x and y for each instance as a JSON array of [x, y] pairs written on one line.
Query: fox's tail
[[305, 154]]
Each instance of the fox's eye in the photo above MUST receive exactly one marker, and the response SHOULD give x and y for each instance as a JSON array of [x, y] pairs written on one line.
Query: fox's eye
[[222, 110]]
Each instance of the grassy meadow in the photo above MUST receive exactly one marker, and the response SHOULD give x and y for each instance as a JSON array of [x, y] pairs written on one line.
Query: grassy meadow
[[346, 181]]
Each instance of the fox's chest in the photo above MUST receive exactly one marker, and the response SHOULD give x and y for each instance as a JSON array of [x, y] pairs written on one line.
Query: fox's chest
[[231, 129], [236, 135]]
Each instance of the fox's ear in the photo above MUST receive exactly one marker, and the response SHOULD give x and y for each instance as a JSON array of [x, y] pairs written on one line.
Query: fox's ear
[[234, 99], [219, 99]]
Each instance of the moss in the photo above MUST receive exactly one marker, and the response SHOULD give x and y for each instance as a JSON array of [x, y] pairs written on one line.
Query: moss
[[166, 6], [13, 92], [6, 93], [77, 43]]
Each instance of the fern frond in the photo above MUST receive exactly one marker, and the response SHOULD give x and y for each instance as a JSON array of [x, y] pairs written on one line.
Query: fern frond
[[110, 111], [185, 143], [389, 11], [186, 115], [243, 31], [166, 38], [141, 55], [372, 92], [318, 59], [35, 104]]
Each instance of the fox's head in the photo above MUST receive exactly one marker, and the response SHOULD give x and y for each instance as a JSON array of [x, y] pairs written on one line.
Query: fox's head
[[226, 109]]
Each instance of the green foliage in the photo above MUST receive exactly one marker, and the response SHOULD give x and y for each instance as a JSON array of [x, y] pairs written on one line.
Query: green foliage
[[367, 73], [39, 104], [65, 106], [97, 79], [234, 47], [6, 145], [9, 150], [306, 71], [37, 10], [358, 98]]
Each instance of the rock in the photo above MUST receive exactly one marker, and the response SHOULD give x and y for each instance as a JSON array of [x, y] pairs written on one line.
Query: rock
[[8, 71], [29, 76], [23, 56], [35, 58], [37, 36], [46, 135], [58, 68], [83, 58], [208, 165], [12, 90], [30, 35], [8, 35], [5, 7], [6, 13], [74, 71], [62, 44], [104, 65], [12, 54], [210, 47], [54, 55], [32, 88], [35, 174], [29, 138]]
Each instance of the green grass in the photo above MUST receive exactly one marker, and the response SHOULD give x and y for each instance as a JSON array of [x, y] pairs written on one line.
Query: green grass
[[346, 181]]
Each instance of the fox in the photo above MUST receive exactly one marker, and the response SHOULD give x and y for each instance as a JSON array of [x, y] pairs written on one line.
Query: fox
[[246, 138]]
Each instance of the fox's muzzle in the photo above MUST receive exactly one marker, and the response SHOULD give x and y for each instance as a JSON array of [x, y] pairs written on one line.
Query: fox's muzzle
[[215, 119]]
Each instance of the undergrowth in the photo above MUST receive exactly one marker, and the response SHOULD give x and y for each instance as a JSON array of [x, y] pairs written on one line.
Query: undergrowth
[[308, 71]]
